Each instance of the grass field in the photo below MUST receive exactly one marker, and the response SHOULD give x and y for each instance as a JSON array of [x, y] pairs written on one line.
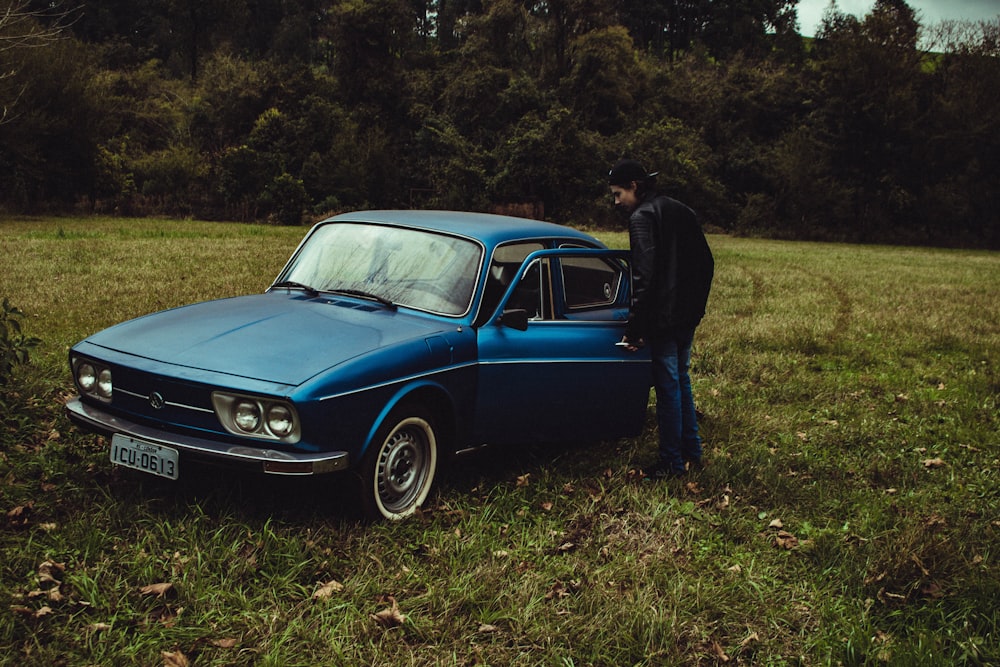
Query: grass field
[[849, 513]]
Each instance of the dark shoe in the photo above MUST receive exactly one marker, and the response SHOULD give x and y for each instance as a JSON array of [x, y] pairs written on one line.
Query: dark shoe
[[662, 472]]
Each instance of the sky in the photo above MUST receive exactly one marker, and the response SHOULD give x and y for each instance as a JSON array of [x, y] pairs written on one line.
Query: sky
[[928, 11]]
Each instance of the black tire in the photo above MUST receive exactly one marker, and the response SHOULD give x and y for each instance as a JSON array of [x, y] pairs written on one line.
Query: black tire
[[398, 469]]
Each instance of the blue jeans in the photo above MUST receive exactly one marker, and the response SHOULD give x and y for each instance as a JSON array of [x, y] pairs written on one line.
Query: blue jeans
[[675, 413]]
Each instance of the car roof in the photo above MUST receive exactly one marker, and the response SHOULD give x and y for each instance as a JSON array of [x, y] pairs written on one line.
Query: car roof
[[489, 228]]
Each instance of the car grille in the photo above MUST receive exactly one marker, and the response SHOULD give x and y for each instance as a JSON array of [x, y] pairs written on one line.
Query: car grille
[[153, 398]]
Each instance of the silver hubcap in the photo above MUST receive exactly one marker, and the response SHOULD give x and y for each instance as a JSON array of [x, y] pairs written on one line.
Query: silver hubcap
[[402, 468]]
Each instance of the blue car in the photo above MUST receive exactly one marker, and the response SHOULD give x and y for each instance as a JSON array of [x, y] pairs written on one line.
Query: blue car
[[390, 341]]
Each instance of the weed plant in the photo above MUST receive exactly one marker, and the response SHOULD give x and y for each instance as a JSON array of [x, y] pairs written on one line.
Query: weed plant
[[848, 514]]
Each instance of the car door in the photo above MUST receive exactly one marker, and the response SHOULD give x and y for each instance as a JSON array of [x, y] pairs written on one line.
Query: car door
[[549, 369]]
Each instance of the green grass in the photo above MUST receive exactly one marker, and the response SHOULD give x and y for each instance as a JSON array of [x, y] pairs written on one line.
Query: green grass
[[849, 513]]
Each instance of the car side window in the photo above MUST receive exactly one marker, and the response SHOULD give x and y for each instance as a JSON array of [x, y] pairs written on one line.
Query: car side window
[[590, 282], [534, 291], [504, 265]]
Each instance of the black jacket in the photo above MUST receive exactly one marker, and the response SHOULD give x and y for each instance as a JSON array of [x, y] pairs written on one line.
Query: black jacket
[[672, 268]]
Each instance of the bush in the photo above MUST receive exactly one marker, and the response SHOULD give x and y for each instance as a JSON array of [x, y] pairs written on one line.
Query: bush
[[14, 345], [285, 199]]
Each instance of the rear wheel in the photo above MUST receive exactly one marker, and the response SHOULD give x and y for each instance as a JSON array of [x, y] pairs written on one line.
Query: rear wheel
[[398, 469]]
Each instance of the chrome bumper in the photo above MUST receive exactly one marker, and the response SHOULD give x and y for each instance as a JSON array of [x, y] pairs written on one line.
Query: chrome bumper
[[269, 460]]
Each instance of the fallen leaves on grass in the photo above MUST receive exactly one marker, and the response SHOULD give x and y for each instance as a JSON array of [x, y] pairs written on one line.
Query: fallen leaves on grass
[[174, 659], [29, 612], [159, 590], [782, 538], [50, 572], [390, 617], [327, 590], [786, 540], [19, 516], [720, 653], [933, 463]]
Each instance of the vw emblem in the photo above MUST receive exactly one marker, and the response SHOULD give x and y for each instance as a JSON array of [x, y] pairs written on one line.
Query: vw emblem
[[156, 400]]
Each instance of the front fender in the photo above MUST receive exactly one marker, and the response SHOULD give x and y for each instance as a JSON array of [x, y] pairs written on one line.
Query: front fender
[[432, 395]]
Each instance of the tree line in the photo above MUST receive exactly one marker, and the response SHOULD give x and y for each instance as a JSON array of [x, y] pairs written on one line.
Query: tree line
[[880, 129]]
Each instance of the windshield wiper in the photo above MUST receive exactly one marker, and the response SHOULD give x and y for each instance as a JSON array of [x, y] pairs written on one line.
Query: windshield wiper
[[364, 295], [289, 284]]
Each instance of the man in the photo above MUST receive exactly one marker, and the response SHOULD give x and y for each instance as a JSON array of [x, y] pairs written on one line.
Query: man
[[672, 269]]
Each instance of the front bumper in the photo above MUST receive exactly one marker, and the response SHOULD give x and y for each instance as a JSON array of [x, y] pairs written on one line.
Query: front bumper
[[268, 460]]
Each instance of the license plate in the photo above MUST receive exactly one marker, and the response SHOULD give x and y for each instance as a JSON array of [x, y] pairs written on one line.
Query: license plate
[[145, 456]]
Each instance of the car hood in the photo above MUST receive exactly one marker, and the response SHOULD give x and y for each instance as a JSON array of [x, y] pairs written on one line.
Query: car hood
[[273, 337]]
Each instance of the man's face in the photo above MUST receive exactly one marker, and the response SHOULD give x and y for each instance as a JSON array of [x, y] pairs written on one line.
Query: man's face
[[625, 199]]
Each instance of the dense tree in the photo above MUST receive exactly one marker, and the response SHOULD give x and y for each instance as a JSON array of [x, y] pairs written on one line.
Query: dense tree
[[268, 109], [869, 77]]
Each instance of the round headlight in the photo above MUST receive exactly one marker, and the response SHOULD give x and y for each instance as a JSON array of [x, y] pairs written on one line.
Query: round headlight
[[246, 416], [104, 383], [86, 376], [280, 421]]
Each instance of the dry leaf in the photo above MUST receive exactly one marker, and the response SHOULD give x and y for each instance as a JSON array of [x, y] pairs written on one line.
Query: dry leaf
[[546, 507], [228, 642], [720, 654], [174, 659], [48, 570], [557, 592], [735, 569], [522, 480], [159, 590], [885, 596], [566, 546], [750, 639], [99, 627], [389, 617], [327, 590], [933, 463], [786, 540], [777, 523], [486, 628]]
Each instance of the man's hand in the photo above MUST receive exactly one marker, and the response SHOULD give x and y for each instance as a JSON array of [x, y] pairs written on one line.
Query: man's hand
[[631, 346]]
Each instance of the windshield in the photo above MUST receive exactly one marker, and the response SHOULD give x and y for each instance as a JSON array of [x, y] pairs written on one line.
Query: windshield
[[408, 267]]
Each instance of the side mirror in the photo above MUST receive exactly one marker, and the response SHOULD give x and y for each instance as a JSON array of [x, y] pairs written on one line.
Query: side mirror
[[516, 318]]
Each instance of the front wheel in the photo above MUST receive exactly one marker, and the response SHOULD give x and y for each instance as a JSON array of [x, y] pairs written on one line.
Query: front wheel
[[398, 469]]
